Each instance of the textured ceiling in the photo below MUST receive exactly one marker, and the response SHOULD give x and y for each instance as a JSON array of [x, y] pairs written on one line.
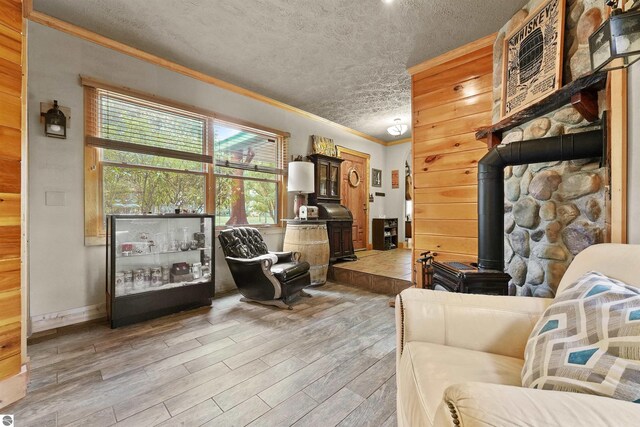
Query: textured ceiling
[[342, 60]]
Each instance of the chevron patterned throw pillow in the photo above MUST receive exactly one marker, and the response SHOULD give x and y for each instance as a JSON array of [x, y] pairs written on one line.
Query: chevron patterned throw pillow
[[588, 341]]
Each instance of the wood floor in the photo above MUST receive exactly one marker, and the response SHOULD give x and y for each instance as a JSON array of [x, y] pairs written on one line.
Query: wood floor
[[330, 361]]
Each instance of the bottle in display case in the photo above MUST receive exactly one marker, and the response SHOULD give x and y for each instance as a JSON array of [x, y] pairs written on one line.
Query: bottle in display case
[[157, 265]]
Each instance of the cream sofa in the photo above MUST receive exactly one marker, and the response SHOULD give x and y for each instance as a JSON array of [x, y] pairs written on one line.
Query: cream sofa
[[459, 356]]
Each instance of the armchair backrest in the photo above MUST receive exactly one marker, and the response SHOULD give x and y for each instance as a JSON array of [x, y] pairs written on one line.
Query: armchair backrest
[[242, 242], [618, 261]]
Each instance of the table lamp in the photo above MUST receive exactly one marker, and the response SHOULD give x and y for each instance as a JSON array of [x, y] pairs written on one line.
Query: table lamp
[[301, 182]]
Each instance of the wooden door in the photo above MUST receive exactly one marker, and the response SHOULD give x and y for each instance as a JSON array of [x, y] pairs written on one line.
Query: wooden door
[[354, 193], [451, 97]]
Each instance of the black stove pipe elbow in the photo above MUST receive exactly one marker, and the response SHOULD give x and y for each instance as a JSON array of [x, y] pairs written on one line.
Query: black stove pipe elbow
[[491, 182]]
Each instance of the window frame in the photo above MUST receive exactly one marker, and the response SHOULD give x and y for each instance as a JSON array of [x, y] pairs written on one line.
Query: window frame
[[94, 230], [279, 178]]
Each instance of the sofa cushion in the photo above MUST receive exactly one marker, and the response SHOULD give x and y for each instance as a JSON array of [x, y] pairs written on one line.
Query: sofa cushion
[[288, 270], [588, 341], [426, 370]]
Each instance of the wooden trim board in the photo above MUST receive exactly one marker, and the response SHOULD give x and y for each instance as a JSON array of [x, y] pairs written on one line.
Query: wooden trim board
[[14, 388], [45, 322], [453, 54], [618, 145], [74, 30], [398, 142]]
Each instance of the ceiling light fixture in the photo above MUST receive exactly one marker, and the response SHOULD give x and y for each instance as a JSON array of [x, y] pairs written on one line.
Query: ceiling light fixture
[[387, 1], [398, 128]]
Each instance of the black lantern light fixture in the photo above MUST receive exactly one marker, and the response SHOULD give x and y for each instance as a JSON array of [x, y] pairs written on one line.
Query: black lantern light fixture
[[55, 122], [616, 44]]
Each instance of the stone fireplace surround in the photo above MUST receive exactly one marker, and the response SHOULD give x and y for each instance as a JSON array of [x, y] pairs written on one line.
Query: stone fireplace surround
[[552, 210]]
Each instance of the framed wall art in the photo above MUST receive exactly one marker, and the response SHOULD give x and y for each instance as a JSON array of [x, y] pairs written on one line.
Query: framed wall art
[[376, 177], [532, 59], [395, 178], [323, 145]]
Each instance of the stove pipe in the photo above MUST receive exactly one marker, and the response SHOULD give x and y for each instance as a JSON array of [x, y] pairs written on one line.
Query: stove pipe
[[491, 182]]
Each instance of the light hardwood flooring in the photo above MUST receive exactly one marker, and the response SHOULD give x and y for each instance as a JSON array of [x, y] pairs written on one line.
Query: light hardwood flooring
[[330, 361]]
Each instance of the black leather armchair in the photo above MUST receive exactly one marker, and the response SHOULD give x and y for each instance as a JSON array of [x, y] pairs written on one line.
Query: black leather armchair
[[272, 278]]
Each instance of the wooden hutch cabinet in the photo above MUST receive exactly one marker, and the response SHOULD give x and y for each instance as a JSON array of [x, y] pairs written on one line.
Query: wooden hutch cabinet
[[327, 179], [327, 198]]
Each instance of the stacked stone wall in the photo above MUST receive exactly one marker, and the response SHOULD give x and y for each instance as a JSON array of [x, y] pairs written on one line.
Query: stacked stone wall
[[552, 210]]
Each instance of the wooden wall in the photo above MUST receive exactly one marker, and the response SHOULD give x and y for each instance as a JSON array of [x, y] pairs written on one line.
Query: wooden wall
[[11, 90], [451, 96]]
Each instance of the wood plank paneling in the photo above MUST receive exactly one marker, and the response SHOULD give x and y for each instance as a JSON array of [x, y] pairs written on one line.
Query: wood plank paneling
[[446, 178], [462, 245], [12, 378], [9, 340], [449, 227], [456, 126], [453, 92], [11, 15], [452, 60], [10, 43], [10, 111], [476, 68], [10, 307], [10, 178], [10, 78], [452, 161], [9, 209], [9, 275], [450, 101], [9, 244], [448, 195], [449, 256], [9, 366], [451, 144], [453, 110], [446, 211], [10, 143]]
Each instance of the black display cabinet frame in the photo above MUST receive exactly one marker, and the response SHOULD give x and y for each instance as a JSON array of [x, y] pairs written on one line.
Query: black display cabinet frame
[[152, 302]]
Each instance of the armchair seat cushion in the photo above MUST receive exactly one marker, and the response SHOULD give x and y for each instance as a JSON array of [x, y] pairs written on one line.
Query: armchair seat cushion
[[426, 370], [286, 271]]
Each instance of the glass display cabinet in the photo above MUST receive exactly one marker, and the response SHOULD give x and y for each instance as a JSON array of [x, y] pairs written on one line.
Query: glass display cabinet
[[157, 265], [327, 179]]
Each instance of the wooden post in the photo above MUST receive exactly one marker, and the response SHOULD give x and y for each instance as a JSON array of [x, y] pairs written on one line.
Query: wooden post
[[618, 128]]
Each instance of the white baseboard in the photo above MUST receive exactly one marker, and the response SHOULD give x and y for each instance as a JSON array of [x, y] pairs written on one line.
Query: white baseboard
[[45, 322]]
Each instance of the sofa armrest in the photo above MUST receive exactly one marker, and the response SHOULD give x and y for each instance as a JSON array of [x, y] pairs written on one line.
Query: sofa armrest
[[492, 324], [482, 404]]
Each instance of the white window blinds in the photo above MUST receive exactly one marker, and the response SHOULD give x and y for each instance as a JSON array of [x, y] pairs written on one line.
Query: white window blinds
[[125, 124]]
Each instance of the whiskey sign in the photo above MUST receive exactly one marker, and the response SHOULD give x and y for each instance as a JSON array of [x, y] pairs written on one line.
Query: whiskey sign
[[532, 64]]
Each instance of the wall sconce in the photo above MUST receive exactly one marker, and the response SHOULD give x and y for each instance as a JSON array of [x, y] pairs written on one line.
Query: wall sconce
[[55, 122], [616, 44]]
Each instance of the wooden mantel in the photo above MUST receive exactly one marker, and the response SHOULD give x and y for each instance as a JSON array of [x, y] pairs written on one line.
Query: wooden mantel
[[581, 93]]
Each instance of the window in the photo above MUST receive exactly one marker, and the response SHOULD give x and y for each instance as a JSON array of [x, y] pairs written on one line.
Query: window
[[249, 168], [143, 155]]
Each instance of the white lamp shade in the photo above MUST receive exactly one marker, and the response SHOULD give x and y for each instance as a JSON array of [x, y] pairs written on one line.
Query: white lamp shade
[[301, 177]]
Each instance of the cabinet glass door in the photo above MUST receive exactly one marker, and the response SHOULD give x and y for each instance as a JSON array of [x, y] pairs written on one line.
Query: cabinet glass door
[[334, 180], [153, 254], [324, 175]]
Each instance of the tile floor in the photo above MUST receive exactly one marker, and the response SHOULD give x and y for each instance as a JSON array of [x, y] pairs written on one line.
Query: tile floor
[[386, 272], [330, 361]]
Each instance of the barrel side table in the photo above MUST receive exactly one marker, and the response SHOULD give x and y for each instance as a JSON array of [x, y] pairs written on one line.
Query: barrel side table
[[310, 238]]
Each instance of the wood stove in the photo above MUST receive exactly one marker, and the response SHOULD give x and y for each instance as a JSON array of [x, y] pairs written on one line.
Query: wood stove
[[468, 279]]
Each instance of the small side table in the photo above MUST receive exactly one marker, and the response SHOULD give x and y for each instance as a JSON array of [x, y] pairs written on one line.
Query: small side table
[[310, 238]]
